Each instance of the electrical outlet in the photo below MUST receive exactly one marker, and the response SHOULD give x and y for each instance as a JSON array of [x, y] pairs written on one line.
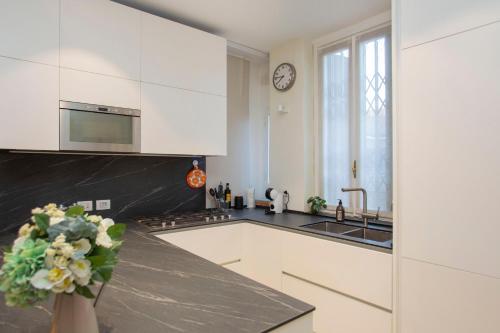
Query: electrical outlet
[[87, 205], [103, 204]]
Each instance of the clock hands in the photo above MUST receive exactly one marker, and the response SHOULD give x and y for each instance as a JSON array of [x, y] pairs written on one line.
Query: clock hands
[[280, 78]]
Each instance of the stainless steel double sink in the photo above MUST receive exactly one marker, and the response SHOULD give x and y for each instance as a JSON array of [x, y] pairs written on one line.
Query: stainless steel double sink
[[366, 235]]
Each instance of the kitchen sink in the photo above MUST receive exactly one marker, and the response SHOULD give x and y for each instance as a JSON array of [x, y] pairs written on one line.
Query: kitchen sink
[[365, 235], [332, 227], [370, 234]]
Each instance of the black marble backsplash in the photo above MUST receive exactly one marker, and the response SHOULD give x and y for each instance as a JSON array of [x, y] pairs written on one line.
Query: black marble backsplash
[[136, 185]]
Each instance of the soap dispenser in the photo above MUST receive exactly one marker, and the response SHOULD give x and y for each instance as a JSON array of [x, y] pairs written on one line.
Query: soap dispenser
[[340, 212]]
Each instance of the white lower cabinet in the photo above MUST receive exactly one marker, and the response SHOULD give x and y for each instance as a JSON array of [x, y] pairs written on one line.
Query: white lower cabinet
[[220, 244], [261, 254], [85, 87], [335, 312], [182, 122], [351, 287], [29, 106]]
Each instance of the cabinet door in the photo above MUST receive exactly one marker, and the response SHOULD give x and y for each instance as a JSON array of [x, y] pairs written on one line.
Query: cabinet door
[[448, 88], [336, 312], [179, 56], [101, 37], [85, 87], [177, 121], [29, 30], [262, 254], [426, 20], [362, 273], [220, 244], [29, 106]]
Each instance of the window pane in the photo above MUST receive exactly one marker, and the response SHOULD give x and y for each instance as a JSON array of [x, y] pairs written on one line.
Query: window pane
[[375, 160], [336, 160]]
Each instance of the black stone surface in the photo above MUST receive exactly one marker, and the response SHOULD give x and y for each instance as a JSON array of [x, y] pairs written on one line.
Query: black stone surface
[[296, 221], [136, 185], [157, 287]]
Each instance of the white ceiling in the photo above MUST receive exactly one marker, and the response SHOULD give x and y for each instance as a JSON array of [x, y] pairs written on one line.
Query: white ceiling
[[262, 24]]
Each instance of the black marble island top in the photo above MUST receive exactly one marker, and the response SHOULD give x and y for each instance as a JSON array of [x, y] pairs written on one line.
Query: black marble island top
[[158, 287]]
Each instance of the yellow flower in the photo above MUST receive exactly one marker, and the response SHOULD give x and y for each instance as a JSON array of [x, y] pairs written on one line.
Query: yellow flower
[[25, 230], [61, 261], [67, 250], [59, 241], [65, 286], [56, 274], [36, 210], [50, 206], [50, 252]]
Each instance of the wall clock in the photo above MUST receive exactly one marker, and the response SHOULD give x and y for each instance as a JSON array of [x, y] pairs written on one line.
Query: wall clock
[[284, 76]]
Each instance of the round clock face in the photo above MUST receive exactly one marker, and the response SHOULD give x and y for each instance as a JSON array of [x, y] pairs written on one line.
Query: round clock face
[[284, 77]]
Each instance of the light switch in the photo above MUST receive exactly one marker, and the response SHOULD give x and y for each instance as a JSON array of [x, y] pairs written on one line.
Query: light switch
[[87, 205], [103, 204]]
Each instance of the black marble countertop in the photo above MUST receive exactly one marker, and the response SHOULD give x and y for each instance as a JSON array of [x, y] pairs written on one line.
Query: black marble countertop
[[158, 287], [294, 221]]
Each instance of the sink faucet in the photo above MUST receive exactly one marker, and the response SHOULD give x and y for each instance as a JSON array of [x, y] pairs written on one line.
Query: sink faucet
[[365, 215]]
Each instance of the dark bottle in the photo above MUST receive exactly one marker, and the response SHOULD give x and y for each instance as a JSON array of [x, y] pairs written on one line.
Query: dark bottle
[[340, 212], [227, 196]]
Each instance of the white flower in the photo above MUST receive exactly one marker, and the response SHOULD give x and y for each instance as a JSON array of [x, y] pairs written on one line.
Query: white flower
[[66, 286], [46, 279], [94, 218], [55, 220], [83, 281], [81, 247], [104, 240], [18, 243], [81, 268], [105, 224]]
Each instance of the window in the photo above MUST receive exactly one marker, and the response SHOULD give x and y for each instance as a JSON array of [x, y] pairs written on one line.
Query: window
[[356, 120]]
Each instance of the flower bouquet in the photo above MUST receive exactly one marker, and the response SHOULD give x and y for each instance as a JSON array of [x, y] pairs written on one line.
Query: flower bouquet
[[60, 252]]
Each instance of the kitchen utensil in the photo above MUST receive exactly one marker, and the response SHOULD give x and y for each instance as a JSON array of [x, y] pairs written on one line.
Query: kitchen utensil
[[238, 202], [196, 178]]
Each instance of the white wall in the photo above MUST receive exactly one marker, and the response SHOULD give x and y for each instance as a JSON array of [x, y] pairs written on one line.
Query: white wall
[[447, 120], [247, 109], [291, 151]]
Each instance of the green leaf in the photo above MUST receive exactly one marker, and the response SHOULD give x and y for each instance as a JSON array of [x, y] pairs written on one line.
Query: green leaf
[[75, 211], [97, 261], [116, 231], [84, 291], [42, 221], [105, 272]]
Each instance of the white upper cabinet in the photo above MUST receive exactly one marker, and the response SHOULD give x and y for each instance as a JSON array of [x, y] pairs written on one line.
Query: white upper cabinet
[[101, 37], [29, 30], [29, 105], [178, 121], [85, 87], [423, 20], [179, 56]]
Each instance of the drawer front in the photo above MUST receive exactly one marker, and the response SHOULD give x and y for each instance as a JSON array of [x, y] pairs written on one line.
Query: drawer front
[[361, 273]]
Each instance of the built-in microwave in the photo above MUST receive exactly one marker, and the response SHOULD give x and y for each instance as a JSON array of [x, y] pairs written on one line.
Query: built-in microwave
[[99, 128]]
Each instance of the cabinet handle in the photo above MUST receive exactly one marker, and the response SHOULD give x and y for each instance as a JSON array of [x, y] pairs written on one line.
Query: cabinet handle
[[354, 169]]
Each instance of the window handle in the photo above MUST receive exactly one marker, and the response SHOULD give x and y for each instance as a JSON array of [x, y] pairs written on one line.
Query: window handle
[[354, 169]]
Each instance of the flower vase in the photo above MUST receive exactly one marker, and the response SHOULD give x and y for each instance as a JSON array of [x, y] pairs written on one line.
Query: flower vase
[[73, 314]]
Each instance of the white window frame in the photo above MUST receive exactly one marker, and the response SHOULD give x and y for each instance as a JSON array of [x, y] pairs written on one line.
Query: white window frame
[[351, 36]]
